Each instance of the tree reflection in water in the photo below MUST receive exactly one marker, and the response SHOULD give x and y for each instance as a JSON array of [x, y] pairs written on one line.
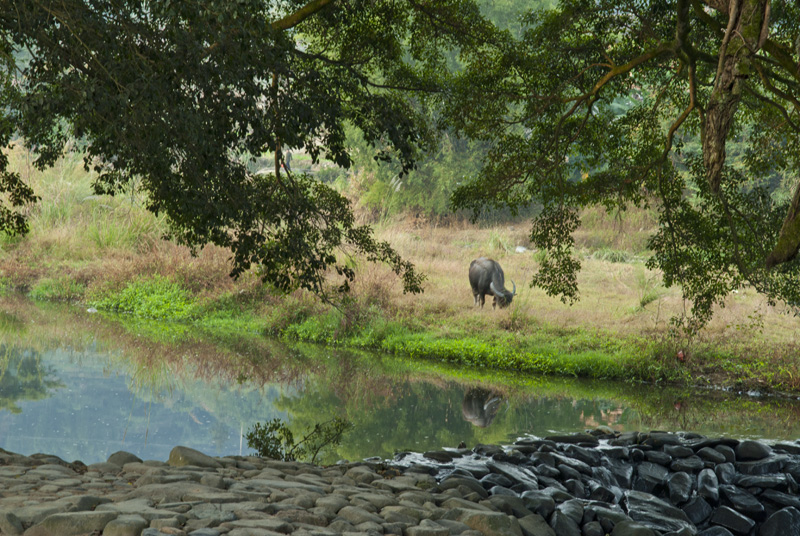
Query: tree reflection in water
[[480, 406]]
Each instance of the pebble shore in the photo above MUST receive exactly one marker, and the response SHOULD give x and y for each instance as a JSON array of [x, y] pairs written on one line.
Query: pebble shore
[[592, 484]]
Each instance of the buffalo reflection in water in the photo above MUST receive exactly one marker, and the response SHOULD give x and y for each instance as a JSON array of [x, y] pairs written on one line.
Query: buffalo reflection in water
[[480, 406]]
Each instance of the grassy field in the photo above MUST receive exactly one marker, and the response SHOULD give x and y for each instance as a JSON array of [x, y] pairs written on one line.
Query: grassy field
[[109, 253]]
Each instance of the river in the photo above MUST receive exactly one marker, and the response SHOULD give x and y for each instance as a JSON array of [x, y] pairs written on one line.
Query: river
[[82, 386]]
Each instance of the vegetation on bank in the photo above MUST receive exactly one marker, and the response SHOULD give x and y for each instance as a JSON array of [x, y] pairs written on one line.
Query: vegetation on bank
[[107, 253]]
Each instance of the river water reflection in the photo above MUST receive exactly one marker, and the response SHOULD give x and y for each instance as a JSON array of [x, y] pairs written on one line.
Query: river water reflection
[[82, 387]]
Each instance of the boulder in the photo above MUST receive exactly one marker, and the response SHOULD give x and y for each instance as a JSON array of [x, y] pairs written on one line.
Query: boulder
[[182, 456]]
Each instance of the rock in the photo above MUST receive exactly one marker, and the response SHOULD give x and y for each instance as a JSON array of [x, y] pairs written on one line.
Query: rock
[[650, 477], [564, 525], [680, 487], [427, 528], [732, 520], [631, 528], [692, 464], [121, 457], [770, 464], [356, 515], [535, 525], [539, 503], [488, 523], [655, 513], [697, 510], [715, 531], [182, 456], [593, 528], [10, 524], [586, 439], [785, 522], [442, 456], [125, 526], [742, 502], [726, 473], [71, 524], [711, 455], [751, 450], [708, 486]]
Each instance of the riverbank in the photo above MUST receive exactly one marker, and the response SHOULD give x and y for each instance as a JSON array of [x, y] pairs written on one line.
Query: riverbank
[[593, 483], [108, 254]]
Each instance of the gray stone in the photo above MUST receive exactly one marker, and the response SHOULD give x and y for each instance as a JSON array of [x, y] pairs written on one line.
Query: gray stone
[[125, 526], [572, 509], [205, 532], [715, 531], [655, 513], [770, 464], [535, 525], [564, 525], [487, 523], [732, 520], [593, 528], [586, 439], [270, 524], [539, 503], [357, 515], [726, 473], [780, 498], [121, 457], [183, 456], [10, 524], [513, 506], [71, 524], [678, 451], [751, 450], [727, 451], [650, 477], [785, 522], [428, 528], [514, 473], [141, 507]]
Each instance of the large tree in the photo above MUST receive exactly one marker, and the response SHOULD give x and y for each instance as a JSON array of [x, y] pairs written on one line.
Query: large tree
[[180, 96], [714, 72]]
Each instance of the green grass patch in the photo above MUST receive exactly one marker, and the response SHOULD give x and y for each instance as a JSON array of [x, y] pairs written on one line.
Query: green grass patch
[[156, 298], [59, 289]]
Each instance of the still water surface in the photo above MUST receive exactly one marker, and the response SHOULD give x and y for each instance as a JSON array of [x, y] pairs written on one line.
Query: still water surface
[[82, 386]]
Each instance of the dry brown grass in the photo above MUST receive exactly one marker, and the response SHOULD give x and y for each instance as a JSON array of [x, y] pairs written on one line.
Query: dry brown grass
[[611, 293]]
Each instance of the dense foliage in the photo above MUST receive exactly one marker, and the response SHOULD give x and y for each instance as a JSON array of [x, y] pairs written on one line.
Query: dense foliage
[[713, 71], [181, 96]]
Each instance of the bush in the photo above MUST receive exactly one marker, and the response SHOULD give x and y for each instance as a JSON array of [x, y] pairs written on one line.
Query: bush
[[273, 439]]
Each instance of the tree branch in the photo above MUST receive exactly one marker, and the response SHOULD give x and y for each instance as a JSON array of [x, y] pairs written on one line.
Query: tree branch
[[293, 19]]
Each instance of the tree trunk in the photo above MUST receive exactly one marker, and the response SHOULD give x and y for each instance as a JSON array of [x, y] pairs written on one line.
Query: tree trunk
[[748, 23]]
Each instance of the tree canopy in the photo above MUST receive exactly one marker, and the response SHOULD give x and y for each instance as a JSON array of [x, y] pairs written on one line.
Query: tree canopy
[[181, 95], [718, 70]]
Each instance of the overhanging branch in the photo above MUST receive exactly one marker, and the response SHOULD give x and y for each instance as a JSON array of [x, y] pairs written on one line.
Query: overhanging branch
[[292, 20]]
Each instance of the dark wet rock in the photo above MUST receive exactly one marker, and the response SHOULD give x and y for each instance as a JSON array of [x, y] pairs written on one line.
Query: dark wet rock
[[513, 506], [513, 457], [568, 472], [780, 482], [632, 528], [788, 448], [678, 451], [711, 455], [650, 477], [620, 469], [659, 457], [575, 488], [708, 486], [494, 479], [732, 520], [593, 528], [603, 494], [742, 502], [660, 439], [539, 502], [487, 523], [588, 456], [513, 472], [573, 463], [727, 451], [617, 453], [637, 455], [575, 439], [714, 442], [692, 464], [500, 490], [771, 464], [780, 498], [655, 513], [442, 456], [752, 450], [573, 509], [697, 510], [564, 525], [679, 486], [726, 473], [715, 531], [625, 439], [487, 450], [785, 522]]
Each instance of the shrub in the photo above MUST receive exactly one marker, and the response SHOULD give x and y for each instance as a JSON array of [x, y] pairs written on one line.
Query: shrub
[[273, 439]]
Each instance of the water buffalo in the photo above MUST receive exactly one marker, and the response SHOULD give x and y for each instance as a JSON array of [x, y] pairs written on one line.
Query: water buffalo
[[486, 277], [480, 406]]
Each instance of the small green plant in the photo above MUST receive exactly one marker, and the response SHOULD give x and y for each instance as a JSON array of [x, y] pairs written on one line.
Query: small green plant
[[157, 298], [60, 289], [274, 439], [611, 255], [649, 288]]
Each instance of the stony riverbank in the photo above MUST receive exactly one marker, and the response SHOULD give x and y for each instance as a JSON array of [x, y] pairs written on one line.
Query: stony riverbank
[[578, 485]]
